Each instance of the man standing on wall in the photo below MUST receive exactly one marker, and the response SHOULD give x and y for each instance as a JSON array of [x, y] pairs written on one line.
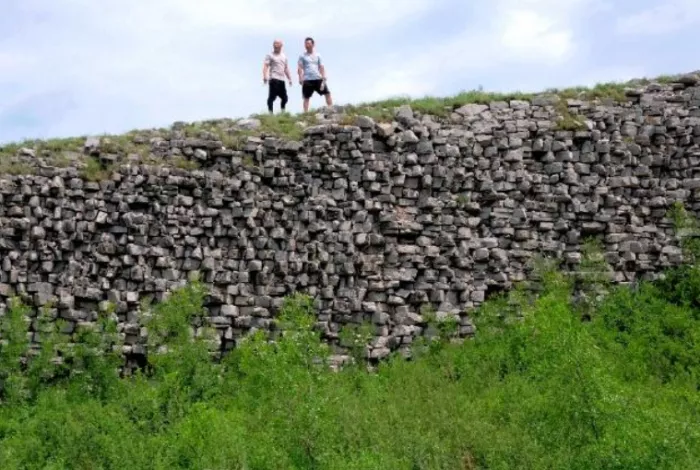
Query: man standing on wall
[[312, 75], [275, 68]]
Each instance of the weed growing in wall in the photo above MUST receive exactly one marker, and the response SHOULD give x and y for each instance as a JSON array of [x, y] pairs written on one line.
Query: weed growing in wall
[[94, 170], [356, 339]]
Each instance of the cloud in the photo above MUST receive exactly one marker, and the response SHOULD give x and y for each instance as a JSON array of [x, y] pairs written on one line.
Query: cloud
[[391, 81], [30, 113], [533, 29], [605, 74], [319, 17], [10, 60], [665, 17], [514, 32], [528, 34], [541, 30], [238, 17]]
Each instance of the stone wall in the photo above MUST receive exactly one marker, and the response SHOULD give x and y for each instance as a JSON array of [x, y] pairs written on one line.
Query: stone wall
[[375, 220]]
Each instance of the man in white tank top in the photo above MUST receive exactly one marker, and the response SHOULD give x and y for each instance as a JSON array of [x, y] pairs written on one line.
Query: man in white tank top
[[275, 69]]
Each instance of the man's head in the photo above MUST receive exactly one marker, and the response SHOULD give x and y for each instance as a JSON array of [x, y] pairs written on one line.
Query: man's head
[[277, 45], [309, 44]]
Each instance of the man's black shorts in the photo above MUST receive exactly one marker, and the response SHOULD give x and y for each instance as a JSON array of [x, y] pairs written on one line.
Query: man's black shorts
[[277, 89], [309, 86]]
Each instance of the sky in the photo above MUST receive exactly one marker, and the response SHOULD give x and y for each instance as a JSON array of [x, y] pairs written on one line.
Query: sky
[[88, 67]]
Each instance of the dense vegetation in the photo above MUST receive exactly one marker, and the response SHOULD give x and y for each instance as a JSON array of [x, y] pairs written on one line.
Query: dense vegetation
[[536, 388]]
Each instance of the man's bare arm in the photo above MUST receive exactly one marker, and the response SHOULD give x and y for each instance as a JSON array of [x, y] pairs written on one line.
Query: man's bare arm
[[288, 73], [300, 71], [266, 67], [322, 69]]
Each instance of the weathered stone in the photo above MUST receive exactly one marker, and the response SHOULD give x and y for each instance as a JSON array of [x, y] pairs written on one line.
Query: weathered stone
[[404, 113], [470, 110], [249, 124], [92, 145], [364, 122]]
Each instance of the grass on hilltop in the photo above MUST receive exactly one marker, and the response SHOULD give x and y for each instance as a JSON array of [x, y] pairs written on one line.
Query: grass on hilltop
[[290, 126], [440, 107], [603, 91]]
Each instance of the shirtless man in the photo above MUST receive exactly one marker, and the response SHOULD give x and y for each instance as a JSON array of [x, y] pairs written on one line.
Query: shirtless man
[[275, 69], [312, 75]]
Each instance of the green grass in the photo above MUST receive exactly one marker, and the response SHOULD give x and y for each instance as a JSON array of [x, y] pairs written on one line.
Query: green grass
[[42, 147], [568, 121], [120, 144], [536, 388], [185, 164], [235, 140], [284, 125], [441, 107], [94, 170], [462, 200], [248, 162], [15, 168], [602, 91]]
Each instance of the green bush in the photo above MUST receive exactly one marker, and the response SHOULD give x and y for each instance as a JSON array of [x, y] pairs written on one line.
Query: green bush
[[536, 388]]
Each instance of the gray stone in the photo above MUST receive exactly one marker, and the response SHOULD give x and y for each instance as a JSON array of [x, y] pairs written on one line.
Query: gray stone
[[6, 290], [249, 124], [27, 152], [229, 310], [690, 79], [470, 110], [364, 122], [409, 137], [546, 100], [404, 113], [92, 145], [385, 130]]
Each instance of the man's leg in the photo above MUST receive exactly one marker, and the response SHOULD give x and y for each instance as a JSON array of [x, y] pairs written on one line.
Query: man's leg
[[327, 94], [283, 95], [270, 96], [307, 90]]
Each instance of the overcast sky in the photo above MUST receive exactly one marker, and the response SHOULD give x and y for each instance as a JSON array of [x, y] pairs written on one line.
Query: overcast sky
[[76, 67]]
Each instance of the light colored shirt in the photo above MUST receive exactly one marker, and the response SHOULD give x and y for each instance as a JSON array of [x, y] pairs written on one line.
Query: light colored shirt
[[277, 64], [311, 65]]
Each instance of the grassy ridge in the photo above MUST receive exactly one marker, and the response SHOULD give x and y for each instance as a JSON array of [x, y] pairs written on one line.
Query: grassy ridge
[[537, 388], [289, 126]]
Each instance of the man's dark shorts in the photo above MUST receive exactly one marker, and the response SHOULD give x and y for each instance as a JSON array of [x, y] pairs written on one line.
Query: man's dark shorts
[[277, 89], [309, 86]]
